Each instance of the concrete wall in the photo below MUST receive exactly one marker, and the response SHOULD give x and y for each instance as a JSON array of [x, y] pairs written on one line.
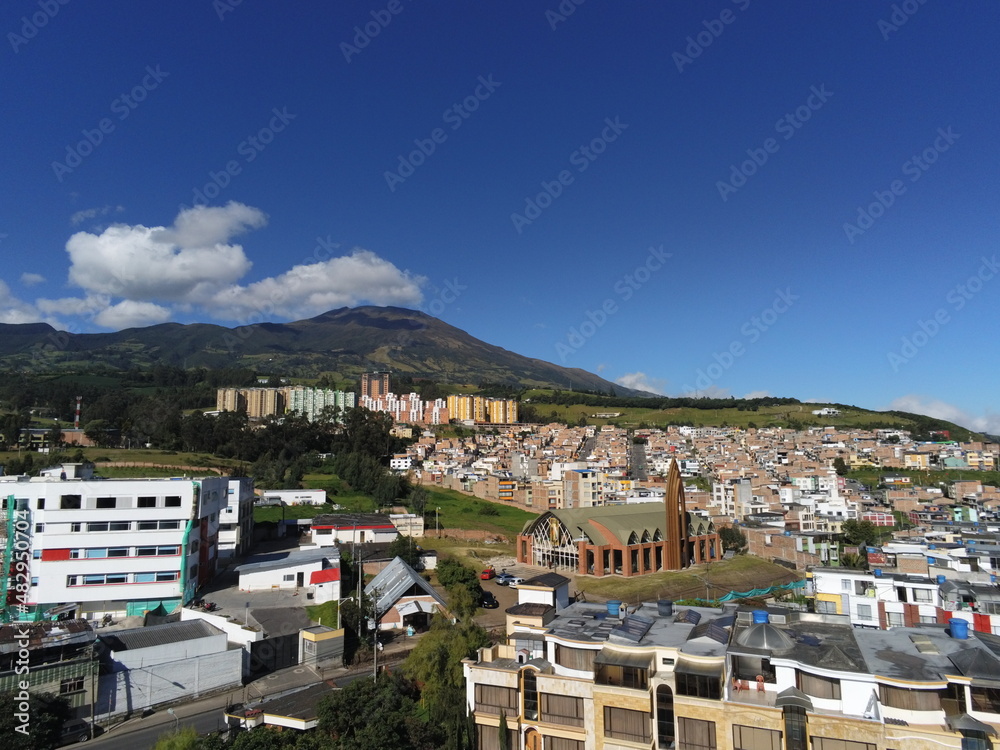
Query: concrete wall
[[234, 630], [135, 690], [168, 652]]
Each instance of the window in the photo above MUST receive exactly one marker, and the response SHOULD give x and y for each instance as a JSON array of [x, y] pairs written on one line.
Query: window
[[912, 700], [288, 577], [96, 552], [172, 501], [71, 685], [116, 578], [529, 689], [845, 584], [796, 734], [120, 526], [698, 686], [144, 577], [72, 581], [168, 550], [493, 699], [826, 608], [40, 504], [166, 576], [928, 620], [827, 743], [104, 503], [148, 525], [575, 658], [118, 552], [562, 709], [627, 677], [664, 716], [894, 619], [145, 551], [169, 525], [94, 580], [629, 725], [755, 738], [36, 554], [818, 687], [695, 734], [34, 580], [39, 528], [70, 502], [865, 612], [98, 526], [76, 527], [488, 738], [561, 743], [923, 595], [986, 699], [146, 502]]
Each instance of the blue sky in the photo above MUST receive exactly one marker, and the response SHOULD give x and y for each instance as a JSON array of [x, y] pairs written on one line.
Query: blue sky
[[717, 197]]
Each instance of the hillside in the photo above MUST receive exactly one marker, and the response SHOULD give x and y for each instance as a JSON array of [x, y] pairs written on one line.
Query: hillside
[[344, 342]]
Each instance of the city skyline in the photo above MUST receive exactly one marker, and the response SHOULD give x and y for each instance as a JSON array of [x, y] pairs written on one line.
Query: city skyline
[[726, 199]]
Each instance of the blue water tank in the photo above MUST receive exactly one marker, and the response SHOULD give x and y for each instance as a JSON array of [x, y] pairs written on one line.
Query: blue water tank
[[940, 580], [931, 546], [878, 572], [959, 628], [760, 615], [614, 607], [931, 560], [993, 578]]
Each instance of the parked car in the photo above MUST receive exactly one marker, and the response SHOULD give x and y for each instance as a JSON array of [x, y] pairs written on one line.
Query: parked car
[[515, 581], [76, 730], [488, 601], [504, 578], [488, 573]]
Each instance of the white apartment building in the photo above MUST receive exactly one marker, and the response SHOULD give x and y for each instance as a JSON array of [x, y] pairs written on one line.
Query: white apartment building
[[312, 401], [236, 520], [116, 546]]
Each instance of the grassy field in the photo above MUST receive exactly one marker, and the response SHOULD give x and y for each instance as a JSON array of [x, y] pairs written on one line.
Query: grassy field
[[710, 581], [99, 455], [324, 614], [458, 511]]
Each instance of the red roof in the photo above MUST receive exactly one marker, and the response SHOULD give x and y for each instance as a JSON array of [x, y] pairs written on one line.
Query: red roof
[[324, 576]]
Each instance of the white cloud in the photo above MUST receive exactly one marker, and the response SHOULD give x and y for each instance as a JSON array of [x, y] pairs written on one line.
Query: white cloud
[[30, 279], [92, 213], [74, 306], [186, 263], [311, 289], [758, 394], [14, 310], [131, 314], [640, 382], [932, 407]]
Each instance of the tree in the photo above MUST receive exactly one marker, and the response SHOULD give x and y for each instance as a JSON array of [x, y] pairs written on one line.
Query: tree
[[840, 466], [98, 431], [182, 739], [504, 738], [732, 538], [418, 499], [404, 548], [47, 714], [55, 436], [860, 532]]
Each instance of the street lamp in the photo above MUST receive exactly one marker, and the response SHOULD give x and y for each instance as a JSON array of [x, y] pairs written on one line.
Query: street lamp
[[437, 522], [176, 719]]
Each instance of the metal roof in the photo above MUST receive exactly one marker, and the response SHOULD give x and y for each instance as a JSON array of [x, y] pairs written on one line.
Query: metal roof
[[394, 581], [159, 635]]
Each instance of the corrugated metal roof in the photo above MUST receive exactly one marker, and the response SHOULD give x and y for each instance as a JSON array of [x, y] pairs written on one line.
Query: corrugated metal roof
[[159, 635], [393, 581]]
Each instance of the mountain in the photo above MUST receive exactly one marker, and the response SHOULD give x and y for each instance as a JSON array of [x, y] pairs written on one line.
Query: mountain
[[346, 342]]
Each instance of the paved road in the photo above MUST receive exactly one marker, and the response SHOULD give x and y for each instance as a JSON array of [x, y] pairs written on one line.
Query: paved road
[[637, 461], [145, 732]]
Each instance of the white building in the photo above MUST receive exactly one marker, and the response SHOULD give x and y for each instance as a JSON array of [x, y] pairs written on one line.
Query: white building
[[236, 520], [312, 401], [351, 528], [287, 570], [116, 546], [293, 497]]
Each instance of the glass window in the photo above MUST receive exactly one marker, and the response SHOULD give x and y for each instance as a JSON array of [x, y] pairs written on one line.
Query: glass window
[[71, 685], [166, 576], [118, 552], [631, 726], [529, 689], [145, 551], [575, 658], [144, 577], [818, 687], [104, 503], [167, 550], [826, 608], [148, 525], [172, 501], [912, 700], [695, 734], [40, 504], [116, 578], [36, 554], [755, 738], [120, 526], [664, 716], [96, 552], [922, 595], [71, 581], [169, 525], [562, 709], [93, 580], [894, 619], [39, 528], [146, 502], [76, 527], [827, 743], [493, 699], [97, 526], [796, 734], [70, 502], [698, 686], [864, 612]]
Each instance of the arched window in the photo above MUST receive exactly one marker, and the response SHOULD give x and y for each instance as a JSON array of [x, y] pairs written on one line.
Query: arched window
[[664, 716], [633, 539], [645, 536], [657, 536]]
